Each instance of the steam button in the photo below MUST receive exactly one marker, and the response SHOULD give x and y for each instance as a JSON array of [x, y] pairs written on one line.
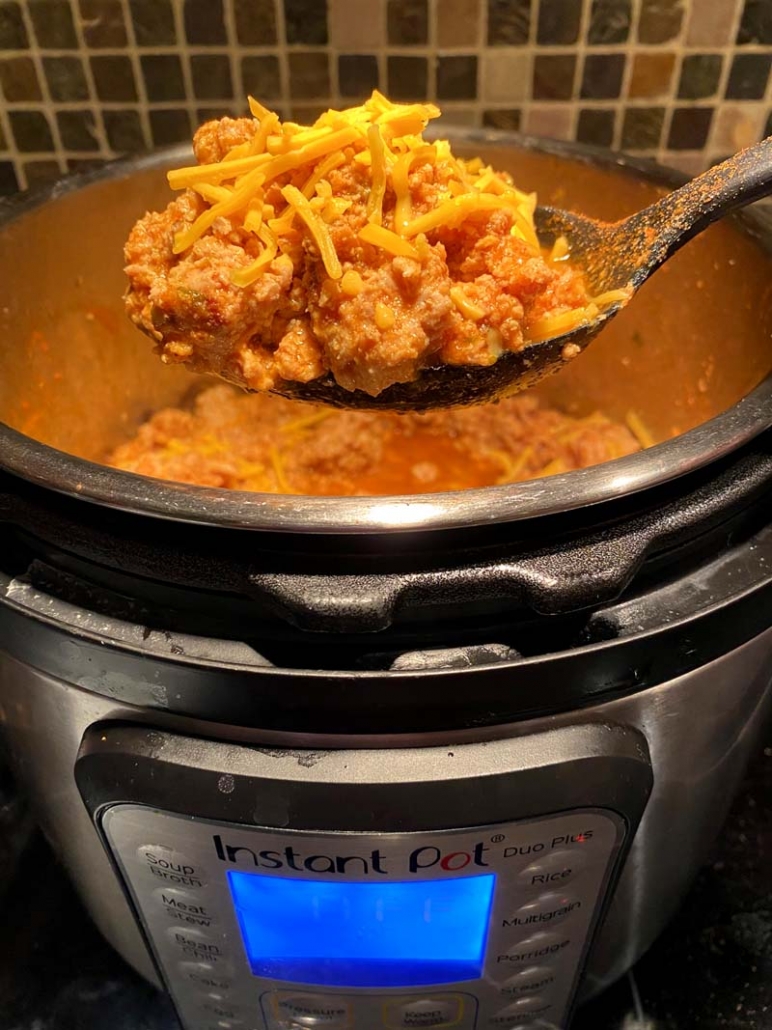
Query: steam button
[[309, 1010], [530, 980], [425, 1012], [553, 870], [170, 866]]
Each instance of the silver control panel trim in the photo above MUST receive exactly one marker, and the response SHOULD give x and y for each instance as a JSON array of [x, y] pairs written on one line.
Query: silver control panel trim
[[552, 873]]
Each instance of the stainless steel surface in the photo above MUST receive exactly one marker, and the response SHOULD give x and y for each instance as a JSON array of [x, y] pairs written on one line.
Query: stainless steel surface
[[152, 847], [700, 730], [76, 377]]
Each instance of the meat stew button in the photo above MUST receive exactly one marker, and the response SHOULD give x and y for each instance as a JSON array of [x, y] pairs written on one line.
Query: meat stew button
[[425, 1012], [553, 870]]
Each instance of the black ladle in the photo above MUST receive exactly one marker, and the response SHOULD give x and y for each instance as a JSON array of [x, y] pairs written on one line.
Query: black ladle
[[613, 256]]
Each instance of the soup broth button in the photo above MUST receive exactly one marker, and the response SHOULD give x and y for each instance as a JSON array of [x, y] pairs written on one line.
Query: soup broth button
[[171, 866]]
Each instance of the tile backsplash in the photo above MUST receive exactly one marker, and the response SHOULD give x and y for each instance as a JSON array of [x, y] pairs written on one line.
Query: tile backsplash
[[81, 81]]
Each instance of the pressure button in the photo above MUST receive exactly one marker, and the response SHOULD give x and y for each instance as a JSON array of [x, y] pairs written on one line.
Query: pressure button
[[309, 1010], [425, 1012]]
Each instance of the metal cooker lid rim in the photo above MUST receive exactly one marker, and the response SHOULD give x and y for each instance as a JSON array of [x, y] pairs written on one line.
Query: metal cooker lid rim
[[128, 492]]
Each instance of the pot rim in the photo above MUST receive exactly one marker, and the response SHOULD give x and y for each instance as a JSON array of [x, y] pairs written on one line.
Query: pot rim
[[299, 513]]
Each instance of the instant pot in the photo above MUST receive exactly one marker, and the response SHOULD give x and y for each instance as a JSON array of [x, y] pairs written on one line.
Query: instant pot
[[448, 760]]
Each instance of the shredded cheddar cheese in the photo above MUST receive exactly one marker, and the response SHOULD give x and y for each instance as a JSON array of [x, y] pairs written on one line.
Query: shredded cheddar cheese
[[280, 186], [388, 240]]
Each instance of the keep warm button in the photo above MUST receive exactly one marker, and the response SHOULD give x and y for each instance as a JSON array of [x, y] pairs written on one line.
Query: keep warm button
[[425, 1012]]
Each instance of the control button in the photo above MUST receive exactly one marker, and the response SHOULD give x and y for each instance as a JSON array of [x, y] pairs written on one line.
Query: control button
[[213, 975], [536, 947], [184, 906], [530, 980], [521, 1011], [425, 1012], [553, 870], [213, 995], [551, 908], [171, 866], [308, 1010], [198, 943]]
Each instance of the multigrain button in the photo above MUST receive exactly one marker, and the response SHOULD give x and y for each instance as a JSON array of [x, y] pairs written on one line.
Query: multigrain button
[[553, 870], [521, 1011], [550, 908], [184, 906], [536, 948], [216, 976], [170, 866], [424, 1012], [531, 980], [309, 1010]]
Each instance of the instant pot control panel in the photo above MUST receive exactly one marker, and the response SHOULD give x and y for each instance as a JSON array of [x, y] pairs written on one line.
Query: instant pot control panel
[[262, 926]]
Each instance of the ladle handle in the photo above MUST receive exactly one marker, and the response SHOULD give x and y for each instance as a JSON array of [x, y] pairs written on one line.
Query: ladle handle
[[662, 228]]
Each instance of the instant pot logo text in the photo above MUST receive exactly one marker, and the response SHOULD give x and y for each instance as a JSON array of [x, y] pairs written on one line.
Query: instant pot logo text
[[371, 863]]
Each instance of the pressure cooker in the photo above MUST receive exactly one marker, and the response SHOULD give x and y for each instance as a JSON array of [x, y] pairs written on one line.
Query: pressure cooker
[[448, 760]]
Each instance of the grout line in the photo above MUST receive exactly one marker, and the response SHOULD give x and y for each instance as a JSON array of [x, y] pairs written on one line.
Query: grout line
[[237, 79], [184, 51], [83, 54], [46, 107], [284, 72], [333, 65], [270, 48], [144, 115], [432, 64]]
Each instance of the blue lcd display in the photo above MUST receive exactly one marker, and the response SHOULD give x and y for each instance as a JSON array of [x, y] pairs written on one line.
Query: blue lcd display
[[364, 934]]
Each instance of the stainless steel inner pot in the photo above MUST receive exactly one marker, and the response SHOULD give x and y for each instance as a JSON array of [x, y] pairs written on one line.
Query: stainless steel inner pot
[[691, 356]]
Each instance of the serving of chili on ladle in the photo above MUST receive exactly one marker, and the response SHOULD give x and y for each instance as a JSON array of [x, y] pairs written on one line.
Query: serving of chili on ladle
[[619, 255]]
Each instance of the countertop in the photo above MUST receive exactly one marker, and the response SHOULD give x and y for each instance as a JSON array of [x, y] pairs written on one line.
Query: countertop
[[711, 969]]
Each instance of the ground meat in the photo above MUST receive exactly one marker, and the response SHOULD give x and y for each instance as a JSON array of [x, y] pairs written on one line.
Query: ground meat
[[295, 323], [259, 442]]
